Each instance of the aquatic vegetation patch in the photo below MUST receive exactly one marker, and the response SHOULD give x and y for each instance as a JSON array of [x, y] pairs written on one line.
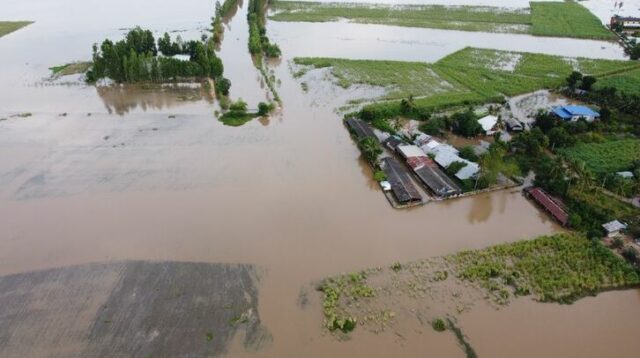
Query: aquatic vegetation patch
[[566, 19], [558, 268], [7, 27]]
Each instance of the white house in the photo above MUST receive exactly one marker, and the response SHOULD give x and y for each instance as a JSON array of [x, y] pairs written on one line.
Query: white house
[[489, 124]]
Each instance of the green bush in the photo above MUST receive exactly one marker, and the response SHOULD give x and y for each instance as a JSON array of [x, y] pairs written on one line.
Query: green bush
[[439, 325]]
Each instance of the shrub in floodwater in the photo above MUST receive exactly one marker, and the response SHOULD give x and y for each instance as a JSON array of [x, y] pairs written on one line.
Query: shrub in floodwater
[[379, 176], [265, 108], [439, 325], [396, 267]]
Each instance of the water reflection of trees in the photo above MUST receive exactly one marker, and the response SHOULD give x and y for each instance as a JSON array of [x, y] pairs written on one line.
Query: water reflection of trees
[[123, 99], [481, 208]]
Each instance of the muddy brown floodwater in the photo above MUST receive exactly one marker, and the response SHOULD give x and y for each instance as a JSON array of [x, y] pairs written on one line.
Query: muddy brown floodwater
[[155, 177]]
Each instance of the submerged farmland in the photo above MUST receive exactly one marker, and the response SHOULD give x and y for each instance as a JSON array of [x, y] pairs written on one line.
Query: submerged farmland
[[561, 19]]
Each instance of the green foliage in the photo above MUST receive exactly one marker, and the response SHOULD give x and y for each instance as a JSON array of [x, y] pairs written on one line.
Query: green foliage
[[439, 325], [455, 167], [351, 287], [259, 43], [379, 176], [135, 59], [566, 19], [222, 86], [370, 148], [628, 82], [265, 108], [396, 267], [468, 153], [466, 124], [607, 157], [495, 162], [558, 268], [466, 18], [7, 27]]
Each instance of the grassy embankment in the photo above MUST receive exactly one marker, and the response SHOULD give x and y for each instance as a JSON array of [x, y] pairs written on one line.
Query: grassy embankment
[[558, 19], [7, 27], [465, 18], [566, 19], [469, 76], [560, 268], [607, 157]]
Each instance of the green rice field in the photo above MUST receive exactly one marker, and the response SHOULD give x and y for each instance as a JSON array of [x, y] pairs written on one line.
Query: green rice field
[[607, 157], [566, 19], [7, 27]]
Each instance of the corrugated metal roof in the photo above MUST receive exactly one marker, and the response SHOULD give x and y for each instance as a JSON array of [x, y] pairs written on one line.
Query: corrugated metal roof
[[614, 226], [401, 185], [567, 112], [360, 128], [409, 151], [545, 200]]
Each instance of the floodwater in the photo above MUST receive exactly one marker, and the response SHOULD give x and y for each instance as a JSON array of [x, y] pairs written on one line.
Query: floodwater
[[162, 180]]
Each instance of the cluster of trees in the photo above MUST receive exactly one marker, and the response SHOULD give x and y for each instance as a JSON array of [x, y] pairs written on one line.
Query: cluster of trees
[[371, 149], [578, 80], [136, 59], [258, 41], [609, 98]]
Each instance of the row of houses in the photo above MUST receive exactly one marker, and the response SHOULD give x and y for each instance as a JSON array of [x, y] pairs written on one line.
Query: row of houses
[[428, 171]]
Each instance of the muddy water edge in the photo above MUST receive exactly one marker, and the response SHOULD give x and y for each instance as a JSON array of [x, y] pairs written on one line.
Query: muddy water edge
[[290, 195]]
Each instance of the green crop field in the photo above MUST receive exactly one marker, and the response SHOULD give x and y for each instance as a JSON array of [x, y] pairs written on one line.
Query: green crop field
[[558, 19], [628, 83], [466, 18], [607, 157], [566, 19], [468, 76], [401, 79], [558, 268], [7, 27]]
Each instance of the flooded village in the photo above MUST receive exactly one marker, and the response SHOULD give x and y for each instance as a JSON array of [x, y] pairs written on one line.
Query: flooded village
[[252, 178]]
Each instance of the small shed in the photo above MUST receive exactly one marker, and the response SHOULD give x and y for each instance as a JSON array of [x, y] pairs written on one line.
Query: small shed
[[393, 142], [514, 125], [552, 205], [489, 124], [409, 151], [614, 227]]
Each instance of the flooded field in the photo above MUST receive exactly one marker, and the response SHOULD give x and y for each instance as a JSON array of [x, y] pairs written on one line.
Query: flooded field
[[102, 175]]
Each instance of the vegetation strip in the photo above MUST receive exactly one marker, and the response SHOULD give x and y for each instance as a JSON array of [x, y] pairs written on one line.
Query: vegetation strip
[[7, 27]]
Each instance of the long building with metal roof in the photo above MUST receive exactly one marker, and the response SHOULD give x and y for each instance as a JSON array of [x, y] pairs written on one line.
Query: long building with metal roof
[[401, 185]]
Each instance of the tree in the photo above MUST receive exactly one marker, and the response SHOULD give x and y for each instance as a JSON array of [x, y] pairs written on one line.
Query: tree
[[370, 148], [264, 108], [468, 153], [222, 86], [164, 45], [433, 126], [559, 138], [634, 52], [587, 83], [546, 121], [573, 79], [466, 124]]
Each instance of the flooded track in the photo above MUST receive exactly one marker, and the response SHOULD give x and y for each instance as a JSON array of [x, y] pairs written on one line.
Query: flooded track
[[155, 177]]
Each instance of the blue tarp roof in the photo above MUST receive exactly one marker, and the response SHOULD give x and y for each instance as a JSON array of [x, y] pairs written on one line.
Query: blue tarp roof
[[566, 112]]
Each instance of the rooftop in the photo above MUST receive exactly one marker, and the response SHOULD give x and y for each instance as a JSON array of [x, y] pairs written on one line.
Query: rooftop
[[360, 128], [488, 122], [546, 201], [614, 226], [568, 112]]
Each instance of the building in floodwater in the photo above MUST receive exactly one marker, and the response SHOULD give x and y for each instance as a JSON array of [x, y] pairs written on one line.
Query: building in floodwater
[[625, 23]]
